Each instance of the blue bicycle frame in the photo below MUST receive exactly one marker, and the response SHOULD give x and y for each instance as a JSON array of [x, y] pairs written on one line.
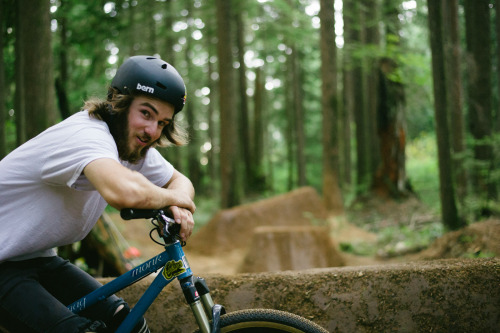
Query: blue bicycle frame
[[175, 265]]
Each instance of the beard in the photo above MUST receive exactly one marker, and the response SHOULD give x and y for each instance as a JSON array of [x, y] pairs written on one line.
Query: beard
[[120, 131]]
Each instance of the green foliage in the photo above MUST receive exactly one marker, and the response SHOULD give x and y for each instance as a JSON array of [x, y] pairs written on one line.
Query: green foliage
[[404, 239], [422, 169], [397, 240]]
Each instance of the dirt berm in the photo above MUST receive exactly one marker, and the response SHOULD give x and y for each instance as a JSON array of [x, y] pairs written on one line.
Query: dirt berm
[[452, 295]]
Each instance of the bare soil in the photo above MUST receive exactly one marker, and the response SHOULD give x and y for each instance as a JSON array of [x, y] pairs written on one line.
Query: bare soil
[[269, 235], [296, 222]]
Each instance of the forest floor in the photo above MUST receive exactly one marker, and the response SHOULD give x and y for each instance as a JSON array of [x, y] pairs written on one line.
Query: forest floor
[[371, 232]]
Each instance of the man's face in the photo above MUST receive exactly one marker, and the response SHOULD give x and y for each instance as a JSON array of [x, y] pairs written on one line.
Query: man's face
[[147, 117]]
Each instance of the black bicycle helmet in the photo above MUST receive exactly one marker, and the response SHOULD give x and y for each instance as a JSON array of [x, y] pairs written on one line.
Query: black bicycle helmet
[[151, 76]]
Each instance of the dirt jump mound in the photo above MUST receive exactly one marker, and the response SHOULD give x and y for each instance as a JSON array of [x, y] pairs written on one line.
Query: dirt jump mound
[[232, 228], [286, 232]]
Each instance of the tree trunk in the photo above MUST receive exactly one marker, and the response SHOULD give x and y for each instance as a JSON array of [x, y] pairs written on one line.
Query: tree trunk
[[213, 170], [452, 53], [290, 132], [354, 72], [497, 24], [35, 65], [20, 98], [331, 191], [447, 191], [228, 150], [62, 79], [169, 40], [298, 117], [244, 117], [477, 18], [371, 19], [390, 178], [193, 158], [3, 88], [258, 131]]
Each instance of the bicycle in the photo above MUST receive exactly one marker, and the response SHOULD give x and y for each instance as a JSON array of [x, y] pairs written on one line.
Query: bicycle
[[210, 317]]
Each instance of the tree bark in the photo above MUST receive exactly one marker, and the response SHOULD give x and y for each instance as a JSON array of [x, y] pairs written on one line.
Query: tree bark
[[244, 116], [355, 99], [452, 53], [3, 115], [259, 131], [332, 196], [390, 179], [298, 118], [371, 19], [35, 65], [228, 153], [446, 189], [477, 27], [62, 79]]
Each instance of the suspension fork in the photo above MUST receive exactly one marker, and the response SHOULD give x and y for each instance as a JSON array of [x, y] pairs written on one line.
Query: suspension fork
[[205, 311]]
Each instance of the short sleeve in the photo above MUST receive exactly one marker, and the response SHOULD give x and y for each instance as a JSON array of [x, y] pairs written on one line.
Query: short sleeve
[[65, 163], [154, 167]]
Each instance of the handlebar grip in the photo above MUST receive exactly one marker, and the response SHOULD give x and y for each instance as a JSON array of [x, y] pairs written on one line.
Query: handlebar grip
[[131, 213]]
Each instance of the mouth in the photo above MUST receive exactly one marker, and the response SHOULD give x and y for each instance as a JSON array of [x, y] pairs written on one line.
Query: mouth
[[143, 141]]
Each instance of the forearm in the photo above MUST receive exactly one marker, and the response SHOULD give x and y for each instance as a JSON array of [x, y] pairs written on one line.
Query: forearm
[[179, 182], [123, 188]]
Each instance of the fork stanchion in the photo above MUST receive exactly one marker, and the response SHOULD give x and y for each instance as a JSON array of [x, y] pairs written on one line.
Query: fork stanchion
[[194, 301], [204, 292]]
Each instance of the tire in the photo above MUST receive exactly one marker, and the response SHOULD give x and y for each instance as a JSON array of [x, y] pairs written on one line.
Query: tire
[[266, 321]]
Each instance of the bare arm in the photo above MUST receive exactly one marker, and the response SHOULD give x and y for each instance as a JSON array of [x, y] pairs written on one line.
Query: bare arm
[[124, 188]]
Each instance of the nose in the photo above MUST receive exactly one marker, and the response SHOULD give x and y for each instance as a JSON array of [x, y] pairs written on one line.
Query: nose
[[152, 129]]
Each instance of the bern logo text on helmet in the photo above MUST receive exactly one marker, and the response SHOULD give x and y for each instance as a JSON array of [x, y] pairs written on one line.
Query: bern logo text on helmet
[[145, 88]]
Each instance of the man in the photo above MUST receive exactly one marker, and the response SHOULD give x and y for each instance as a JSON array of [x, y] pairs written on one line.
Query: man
[[54, 187]]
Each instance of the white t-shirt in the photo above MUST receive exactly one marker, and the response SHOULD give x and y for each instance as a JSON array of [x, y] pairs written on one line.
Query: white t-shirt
[[45, 200]]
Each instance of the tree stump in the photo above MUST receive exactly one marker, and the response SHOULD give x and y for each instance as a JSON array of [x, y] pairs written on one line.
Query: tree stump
[[280, 248]]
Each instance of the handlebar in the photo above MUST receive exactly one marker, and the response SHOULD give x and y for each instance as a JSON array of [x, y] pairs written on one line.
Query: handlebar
[[132, 213], [167, 228]]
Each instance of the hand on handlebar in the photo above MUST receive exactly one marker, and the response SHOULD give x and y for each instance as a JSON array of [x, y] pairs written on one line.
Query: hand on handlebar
[[184, 217], [181, 200]]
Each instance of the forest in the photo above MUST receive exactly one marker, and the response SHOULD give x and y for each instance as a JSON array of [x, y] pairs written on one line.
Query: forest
[[386, 98]]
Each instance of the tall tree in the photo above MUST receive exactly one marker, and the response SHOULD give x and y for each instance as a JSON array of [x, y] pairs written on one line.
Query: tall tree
[[194, 167], [3, 88], [447, 192], [62, 78], [290, 132], [497, 33], [354, 92], [228, 121], [244, 114], [390, 178], [477, 28], [36, 84], [298, 117], [371, 41], [258, 130], [452, 54], [331, 190]]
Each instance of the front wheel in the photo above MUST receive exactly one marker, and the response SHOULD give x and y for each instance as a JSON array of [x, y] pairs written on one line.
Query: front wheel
[[267, 321]]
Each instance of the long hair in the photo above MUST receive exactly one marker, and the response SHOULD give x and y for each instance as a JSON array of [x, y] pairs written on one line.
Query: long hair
[[117, 104]]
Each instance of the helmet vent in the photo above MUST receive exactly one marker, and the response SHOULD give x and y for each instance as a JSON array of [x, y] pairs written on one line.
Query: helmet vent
[[164, 66], [161, 85]]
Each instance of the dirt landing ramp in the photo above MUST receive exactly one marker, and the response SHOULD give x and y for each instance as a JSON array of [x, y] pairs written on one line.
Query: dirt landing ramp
[[290, 248], [232, 228], [434, 296]]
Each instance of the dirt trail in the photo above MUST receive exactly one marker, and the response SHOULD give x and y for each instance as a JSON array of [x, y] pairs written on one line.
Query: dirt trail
[[227, 241]]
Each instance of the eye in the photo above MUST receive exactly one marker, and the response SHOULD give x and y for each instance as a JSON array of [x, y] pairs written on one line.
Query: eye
[[145, 113], [163, 123]]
